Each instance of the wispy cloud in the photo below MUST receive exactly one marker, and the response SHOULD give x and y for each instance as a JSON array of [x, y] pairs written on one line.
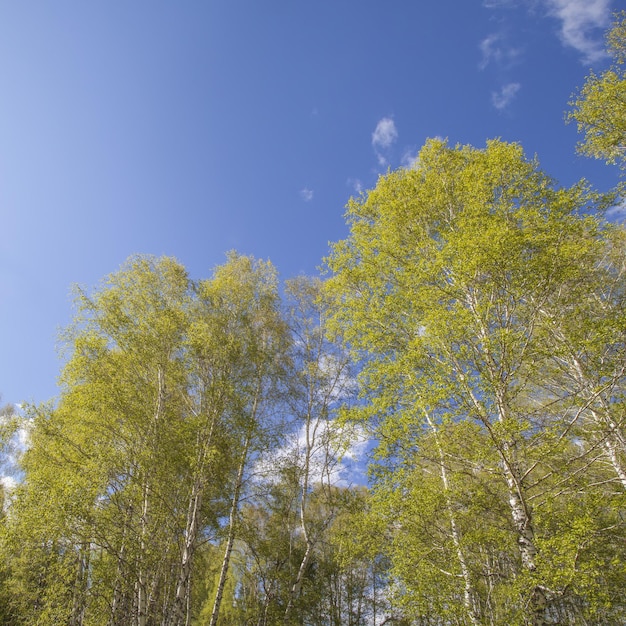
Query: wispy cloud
[[581, 24], [383, 137], [337, 454], [385, 133], [499, 4], [617, 213], [494, 49], [489, 49], [356, 184], [409, 159], [306, 194], [501, 99]]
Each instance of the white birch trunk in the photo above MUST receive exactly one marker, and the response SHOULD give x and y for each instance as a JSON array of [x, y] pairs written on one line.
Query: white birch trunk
[[192, 525], [297, 584], [191, 536], [468, 591], [522, 518], [142, 581], [612, 453], [231, 533], [117, 591], [614, 440], [141, 578]]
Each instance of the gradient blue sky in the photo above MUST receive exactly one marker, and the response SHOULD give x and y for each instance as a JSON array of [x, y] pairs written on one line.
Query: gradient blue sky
[[189, 128]]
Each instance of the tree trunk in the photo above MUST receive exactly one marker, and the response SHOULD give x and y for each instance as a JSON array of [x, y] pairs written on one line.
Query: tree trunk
[[522, 518], [191, 536], [81, 585], [231, 533], [468, 591], [192, 525], [142, 581], [612, 451], [142, 577], [297, 583]]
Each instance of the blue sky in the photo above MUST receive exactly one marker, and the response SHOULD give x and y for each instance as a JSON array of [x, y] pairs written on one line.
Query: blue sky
[[191, 128]]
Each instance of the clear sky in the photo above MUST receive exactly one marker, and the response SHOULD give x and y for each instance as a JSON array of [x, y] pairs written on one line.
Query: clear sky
[[193, 127]]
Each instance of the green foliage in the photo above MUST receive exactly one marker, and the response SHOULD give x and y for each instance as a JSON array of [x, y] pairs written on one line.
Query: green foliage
[[452, 287], [599, 109], [165, 382], [484, 307]]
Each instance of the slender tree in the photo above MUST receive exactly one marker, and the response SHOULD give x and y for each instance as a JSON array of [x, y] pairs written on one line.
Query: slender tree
[[321, 381], [245, 292], [105, 457]]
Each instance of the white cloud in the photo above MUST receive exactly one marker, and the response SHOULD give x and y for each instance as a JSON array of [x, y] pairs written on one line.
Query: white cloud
[[501, 99], [489, 49], [383, 137], [338, 454], [356, 185], [582, 24], [617, 213], [579, 19], [385, 134], [8, 483], [382, 160], [495, 49], [409, 159], [306, 194]]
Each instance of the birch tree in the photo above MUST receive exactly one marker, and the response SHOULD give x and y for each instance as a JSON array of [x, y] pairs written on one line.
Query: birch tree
[[440, 286], [163, 394], [321, 381], [96, 510], [245, 294]]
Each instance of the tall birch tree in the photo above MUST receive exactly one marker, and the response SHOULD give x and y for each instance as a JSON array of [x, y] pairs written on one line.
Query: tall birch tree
[[97, 508], [321, 381], [441, 287], [244, 292]]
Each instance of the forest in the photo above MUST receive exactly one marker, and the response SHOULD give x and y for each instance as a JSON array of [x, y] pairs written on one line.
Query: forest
[[468, 336]]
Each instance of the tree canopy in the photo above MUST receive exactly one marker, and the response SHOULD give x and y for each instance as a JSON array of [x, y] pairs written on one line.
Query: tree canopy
[[456, 279], [599, 108]]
